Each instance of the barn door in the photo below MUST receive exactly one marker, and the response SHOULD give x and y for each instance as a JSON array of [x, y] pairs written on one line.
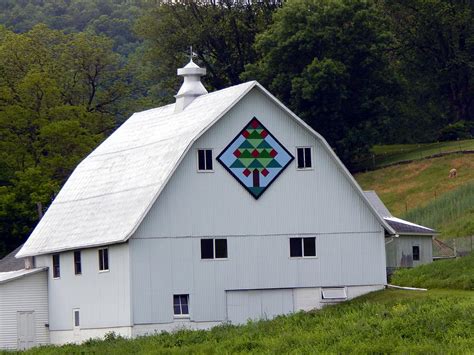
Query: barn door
[[26, 330]]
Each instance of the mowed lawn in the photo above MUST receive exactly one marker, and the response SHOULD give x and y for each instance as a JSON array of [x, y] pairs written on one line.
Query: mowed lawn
[[390, 321], [408, 186]]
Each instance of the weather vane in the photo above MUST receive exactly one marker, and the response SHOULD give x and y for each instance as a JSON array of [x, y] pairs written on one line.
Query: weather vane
[[191, 53]]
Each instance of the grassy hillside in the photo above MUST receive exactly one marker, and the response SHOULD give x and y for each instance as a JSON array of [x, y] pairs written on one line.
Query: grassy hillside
[[389, 154], [384, 322], [452, 274], [414, 185]]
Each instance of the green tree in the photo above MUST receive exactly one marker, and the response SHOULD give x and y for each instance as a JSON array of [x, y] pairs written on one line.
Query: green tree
[[221, 33], [328, 60], [59, 94]]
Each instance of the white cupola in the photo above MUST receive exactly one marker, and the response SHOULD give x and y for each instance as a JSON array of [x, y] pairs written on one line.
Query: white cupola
[[192, 86]]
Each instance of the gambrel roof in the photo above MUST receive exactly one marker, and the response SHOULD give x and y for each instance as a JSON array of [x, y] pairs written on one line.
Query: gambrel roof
[[400, 226], [111, 191]]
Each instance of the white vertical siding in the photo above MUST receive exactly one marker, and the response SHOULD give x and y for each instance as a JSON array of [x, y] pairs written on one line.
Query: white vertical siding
[[165, 250], [400, 251], [103, 298], [28, 293]]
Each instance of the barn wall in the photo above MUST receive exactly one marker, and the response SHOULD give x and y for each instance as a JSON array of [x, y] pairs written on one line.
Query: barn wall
[[166, 266], [312, 201], [319, 202], [28, 293], [102, 297], [400, 252]]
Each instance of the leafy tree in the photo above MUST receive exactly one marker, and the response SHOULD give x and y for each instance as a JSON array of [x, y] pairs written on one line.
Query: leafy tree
[[328, 60], [59, 94], [435, 49], [221, 33]]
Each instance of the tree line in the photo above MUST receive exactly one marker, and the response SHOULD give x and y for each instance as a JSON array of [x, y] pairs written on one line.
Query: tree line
[[360, 72]]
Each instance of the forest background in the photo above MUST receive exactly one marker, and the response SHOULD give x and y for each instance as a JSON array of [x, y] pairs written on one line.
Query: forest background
[[360, 72]]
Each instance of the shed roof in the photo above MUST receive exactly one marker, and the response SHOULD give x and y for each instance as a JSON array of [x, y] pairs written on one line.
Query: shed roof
[[10, 263], [400, 226], [110, 192], [13, 275]]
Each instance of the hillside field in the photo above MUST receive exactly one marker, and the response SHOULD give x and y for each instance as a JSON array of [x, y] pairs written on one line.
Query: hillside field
[[437, 321], [407, 189]]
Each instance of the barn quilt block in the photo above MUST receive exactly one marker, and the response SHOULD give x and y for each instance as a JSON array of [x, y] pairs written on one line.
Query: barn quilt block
[[255, 158]]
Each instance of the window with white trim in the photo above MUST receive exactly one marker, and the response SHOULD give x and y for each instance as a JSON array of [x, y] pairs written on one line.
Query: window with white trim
[[77, 262], [75, 318], [181, 305], [56, 266], [304, 158], [333, 293], [213, 248], [103, 259], [303, 247], [204, 160]]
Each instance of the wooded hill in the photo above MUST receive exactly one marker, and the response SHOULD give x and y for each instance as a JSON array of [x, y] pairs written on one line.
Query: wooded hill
[[359, 72]]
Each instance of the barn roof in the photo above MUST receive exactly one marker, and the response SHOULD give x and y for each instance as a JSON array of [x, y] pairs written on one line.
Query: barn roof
[[10, 263], [13, 275], [400, 226], [110, 192]]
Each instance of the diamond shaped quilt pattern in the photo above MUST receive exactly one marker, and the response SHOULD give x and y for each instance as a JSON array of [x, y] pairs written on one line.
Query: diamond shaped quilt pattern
[[255, 158]]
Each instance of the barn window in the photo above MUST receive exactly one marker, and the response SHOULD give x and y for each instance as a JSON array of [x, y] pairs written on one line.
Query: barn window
[[103, 259], [213, 248], [416, 252], [75, 318], [303, 158], [333, 293], [56, 266], [302, 247], [181, 305], [204, 157], [77, 262]]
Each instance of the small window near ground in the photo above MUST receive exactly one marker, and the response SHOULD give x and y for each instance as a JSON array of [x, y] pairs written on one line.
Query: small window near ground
[[75, 316], [56, 266], [204, 160], [181, 305], [77, 262], [103, 259], [416, 252], [213, 248], [303, 247], [304, 158], [333, 293]]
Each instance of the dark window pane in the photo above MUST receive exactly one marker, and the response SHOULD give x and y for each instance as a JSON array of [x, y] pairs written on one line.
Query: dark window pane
[[101, 259], [76, 318], [201, 164], [221, 248], [208, 159], [184, 309], [309, 246], [56, 266], [207, 249], [77, 263], [307, 157], [416, 253], [106, 259], [300, 158], [296, 247], [176, 299], [177, 309]]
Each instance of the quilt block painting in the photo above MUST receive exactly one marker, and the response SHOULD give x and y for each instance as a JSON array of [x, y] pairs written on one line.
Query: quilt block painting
[[255, 158]]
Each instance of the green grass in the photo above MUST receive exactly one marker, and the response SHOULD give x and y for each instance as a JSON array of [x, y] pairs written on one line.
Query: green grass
[[452, 214], [450, 274], [390, 154], [408, 186], [389, 321]]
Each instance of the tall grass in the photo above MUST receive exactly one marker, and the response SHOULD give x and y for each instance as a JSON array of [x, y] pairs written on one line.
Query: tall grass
[[383, 322], [450, 274], [452, 213]]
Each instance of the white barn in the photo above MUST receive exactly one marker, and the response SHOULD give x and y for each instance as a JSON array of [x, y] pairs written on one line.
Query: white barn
[[221, 207]]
